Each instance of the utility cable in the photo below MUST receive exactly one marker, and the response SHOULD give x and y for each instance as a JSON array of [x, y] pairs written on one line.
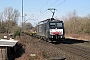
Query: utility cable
[[60, 3], [83, 10], [50, 6], [43, 6], [54, 3]]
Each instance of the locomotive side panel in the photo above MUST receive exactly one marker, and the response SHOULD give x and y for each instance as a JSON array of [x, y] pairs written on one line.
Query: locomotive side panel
[[41, 30]]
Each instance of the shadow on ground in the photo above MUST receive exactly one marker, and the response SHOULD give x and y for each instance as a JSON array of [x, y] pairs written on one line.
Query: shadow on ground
[[69, 41], [72, 41], [16, 51]]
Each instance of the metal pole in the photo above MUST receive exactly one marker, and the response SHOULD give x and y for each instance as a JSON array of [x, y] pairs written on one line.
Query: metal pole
[[24, 20], [22, 14]]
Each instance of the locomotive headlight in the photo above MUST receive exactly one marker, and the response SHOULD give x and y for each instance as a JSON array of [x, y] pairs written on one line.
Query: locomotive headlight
[[51, 31], [61, 36]]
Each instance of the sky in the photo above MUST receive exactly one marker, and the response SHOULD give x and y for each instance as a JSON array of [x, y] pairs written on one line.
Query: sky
[[38, 9]]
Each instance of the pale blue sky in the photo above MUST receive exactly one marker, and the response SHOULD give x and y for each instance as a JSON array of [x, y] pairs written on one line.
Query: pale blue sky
[[39, 7]]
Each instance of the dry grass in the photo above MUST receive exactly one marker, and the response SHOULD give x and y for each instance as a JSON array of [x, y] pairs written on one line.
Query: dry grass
[[31, 52], [79, 36]]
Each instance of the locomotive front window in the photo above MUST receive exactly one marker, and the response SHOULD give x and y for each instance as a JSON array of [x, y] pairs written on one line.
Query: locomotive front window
[[59, 25], [52, 25], [56, 25]]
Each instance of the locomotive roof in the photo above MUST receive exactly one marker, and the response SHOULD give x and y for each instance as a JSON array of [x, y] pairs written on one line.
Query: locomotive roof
[[54, 20], [50, 20]]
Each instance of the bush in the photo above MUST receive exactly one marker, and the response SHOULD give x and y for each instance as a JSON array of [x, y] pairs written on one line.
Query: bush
[[2, 30], [16, 33]]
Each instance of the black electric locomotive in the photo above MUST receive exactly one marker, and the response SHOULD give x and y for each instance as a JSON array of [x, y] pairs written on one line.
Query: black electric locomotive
[[51, 29]]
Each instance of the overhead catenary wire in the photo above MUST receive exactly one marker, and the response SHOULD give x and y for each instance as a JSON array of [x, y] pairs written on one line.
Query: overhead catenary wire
[[54, 3], [83, 10], [40, 10], [43, 6], [60, 3], [45, 11], [49, 6]]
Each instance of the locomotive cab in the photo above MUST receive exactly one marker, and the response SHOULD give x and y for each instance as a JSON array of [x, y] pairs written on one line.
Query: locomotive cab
[[56, 28]]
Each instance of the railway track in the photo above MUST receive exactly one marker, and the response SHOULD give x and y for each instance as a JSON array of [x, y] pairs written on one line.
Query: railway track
[[82, 53], [69, 51]]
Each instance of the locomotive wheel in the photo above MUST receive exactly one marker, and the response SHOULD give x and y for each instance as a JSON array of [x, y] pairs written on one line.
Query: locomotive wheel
[[44, 38], [48, 40]]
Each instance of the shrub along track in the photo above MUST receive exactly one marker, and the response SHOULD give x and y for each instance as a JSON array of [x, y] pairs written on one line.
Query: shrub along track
[[69, 51]]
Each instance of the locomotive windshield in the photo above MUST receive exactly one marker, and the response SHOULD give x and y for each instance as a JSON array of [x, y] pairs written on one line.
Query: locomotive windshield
[[54, 25], [59, 25]]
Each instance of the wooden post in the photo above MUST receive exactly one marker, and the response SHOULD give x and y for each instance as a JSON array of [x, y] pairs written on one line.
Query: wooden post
[[3, 53]]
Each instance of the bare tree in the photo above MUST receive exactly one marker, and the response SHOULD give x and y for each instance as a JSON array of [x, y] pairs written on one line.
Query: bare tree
[[76, 24], [10, 17], [1, 18], [11, 14]]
